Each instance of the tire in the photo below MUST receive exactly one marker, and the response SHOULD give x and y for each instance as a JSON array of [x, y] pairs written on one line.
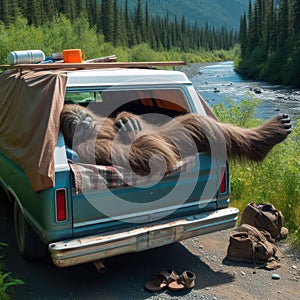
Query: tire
[[30, 245]]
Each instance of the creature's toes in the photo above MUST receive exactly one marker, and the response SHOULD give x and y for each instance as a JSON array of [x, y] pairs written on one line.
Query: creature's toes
[[283, 116], [286, 125], [288, 130], [286, 122]]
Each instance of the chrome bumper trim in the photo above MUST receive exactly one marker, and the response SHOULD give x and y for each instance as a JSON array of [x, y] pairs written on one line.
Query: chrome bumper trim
[[92, 248]]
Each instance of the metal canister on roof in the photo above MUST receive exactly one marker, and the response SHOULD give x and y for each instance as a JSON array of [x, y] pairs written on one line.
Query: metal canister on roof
[[25, 57]]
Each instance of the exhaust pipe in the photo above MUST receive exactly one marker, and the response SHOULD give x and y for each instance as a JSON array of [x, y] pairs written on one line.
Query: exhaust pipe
[[100, 266]]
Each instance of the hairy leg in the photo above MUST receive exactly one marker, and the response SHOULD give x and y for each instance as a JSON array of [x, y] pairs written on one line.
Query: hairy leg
[[254, 144], [240, 143]]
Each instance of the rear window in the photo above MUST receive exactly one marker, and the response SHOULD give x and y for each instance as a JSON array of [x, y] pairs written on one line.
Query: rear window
[[170, 102]]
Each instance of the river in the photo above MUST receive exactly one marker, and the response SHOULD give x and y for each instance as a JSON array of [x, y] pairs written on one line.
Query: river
[[216, 81]]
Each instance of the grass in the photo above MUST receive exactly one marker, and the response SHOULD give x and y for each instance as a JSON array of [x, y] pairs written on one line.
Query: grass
[[276, 180], [7, 282]]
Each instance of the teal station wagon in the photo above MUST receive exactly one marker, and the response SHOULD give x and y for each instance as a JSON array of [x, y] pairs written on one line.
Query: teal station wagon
[[85, 213]]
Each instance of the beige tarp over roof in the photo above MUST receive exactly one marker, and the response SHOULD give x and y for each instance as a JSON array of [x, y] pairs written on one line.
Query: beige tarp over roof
[[30, 105]]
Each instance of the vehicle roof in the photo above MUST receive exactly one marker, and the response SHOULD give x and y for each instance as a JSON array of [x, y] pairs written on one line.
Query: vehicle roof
[[128, 76]]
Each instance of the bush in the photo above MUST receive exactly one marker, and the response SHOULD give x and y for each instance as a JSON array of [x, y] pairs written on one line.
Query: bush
[[143, 52], [276, 180], [7, 282]]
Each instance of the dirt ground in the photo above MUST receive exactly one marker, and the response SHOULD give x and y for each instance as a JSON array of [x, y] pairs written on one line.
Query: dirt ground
[[216, 278]]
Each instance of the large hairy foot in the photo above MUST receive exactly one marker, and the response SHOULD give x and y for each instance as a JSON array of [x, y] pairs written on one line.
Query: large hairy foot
[[254, 144]]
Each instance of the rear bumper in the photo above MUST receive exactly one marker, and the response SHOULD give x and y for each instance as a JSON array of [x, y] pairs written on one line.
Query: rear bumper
[[92, 248]]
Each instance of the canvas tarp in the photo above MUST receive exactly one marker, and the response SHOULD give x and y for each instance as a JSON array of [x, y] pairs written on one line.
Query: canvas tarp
[[30, 106]]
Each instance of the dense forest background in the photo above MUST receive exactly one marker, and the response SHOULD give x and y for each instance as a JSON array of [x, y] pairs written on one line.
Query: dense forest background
[[268, 37], [270, 41], [217, 13], [81, 24]]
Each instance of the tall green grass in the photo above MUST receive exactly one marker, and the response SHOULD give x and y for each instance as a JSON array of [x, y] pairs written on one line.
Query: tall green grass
[[276, 180], [7, 282]]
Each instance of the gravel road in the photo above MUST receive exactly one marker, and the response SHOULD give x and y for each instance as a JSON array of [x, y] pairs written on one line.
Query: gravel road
[[216, 278]]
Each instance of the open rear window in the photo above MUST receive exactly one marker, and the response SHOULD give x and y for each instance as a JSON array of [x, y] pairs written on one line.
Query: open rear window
[[170, 102]]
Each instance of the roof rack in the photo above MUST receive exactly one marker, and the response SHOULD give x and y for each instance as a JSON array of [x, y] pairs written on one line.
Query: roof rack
[[88, 66]]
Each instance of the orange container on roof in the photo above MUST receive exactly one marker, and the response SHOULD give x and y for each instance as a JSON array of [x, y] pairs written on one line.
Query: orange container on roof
[[72, 56]]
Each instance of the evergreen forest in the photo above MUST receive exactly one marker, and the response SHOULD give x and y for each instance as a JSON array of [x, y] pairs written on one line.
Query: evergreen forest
[[270, 41], [92, 24]]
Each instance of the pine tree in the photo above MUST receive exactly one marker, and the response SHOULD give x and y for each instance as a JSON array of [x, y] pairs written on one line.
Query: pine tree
[[119, 39], [147, 24], [9, 11], [81, 9], [68, 9], [270, 31], [108, 20], [273, 41], [183, 32], [94, 13], [284, 24], [175, 33], [138, 22], [243, 35], [131, 37], [252, 34], [35, 15], [259, 17], [296, 17]]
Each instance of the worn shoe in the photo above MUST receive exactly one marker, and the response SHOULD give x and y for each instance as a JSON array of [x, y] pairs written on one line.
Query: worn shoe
[[263, 249], [240, 248], [185, 281], [161, 281]]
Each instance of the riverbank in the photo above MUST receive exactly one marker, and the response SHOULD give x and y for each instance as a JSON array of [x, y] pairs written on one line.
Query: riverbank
[[216, 81]]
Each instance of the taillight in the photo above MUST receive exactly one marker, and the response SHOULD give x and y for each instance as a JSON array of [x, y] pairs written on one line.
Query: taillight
[[61, 205], [223, 182]]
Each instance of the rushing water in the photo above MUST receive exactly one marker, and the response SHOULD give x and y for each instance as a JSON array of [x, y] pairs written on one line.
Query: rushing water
[[216, 81]]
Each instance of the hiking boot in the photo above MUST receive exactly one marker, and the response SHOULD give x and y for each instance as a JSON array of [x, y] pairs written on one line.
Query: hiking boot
[[251, 246], [240, 248], [263, 249]]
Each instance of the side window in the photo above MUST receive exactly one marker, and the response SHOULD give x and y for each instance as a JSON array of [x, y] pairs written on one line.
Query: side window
[[83, 97]]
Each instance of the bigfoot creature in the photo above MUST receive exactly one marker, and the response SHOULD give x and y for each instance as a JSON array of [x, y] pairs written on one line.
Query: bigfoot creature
[[127, 137]]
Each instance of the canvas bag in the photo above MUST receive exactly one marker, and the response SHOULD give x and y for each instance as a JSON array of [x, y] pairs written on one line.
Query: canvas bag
[[263, 217]]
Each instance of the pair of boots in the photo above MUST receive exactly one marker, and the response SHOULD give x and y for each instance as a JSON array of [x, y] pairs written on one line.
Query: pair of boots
[[253, 246], [261, 226]]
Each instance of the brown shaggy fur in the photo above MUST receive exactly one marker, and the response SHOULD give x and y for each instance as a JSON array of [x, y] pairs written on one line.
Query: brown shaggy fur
[[97, 140]]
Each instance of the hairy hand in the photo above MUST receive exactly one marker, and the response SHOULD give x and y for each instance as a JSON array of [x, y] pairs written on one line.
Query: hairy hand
[[86, 122], [128, 125], [85, 127]]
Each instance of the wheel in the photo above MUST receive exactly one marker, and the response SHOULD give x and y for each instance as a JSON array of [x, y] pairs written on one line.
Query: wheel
[[30, 245]]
